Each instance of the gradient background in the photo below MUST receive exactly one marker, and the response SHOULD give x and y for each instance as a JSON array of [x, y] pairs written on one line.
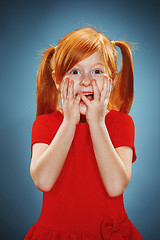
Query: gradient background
[[28, 27]]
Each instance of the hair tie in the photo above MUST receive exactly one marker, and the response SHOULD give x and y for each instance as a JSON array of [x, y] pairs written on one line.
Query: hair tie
[[113, 43]]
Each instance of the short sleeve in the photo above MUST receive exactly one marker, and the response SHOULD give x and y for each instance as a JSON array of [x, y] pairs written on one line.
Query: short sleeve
[[124, 133], [40, 131]]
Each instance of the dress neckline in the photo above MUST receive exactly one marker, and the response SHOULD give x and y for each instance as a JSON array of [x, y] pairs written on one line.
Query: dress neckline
[[84, 123]]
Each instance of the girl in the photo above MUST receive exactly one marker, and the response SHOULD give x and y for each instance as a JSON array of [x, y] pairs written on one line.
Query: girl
[[82, 146]]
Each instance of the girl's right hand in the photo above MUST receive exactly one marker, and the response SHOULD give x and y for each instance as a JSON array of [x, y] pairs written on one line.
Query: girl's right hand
[[70, 104]]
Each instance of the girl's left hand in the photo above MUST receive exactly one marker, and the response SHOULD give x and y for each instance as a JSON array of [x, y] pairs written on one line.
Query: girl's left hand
[[96, 109]]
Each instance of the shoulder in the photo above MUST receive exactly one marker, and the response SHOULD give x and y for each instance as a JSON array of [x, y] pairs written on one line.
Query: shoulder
[[41, 120], [119, 122], [120, 117], [48, 123], [123, 126], [49, 117]]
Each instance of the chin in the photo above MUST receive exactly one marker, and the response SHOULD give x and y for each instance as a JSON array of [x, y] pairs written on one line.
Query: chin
[[83, 109]]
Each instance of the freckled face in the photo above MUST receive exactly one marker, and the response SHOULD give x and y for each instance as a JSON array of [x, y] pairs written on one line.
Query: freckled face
[[83, 72]]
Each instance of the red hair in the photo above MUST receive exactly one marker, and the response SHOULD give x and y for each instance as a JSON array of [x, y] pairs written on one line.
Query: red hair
[[75, 47]]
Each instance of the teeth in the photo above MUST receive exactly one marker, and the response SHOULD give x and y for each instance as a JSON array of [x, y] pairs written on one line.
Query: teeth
[[88, 94]]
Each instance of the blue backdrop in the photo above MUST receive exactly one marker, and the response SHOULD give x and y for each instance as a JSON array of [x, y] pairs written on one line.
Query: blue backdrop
[[28, 27]]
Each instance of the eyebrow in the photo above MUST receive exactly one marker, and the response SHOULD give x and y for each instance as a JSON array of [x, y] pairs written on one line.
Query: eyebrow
[[93, 65]]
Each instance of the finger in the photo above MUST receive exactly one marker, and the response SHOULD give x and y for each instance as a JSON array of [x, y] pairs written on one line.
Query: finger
[[70, 90], [77, 99], [109, 88], [65, 92], [84, 98], [96, 90], [62, 90], [105, 88]]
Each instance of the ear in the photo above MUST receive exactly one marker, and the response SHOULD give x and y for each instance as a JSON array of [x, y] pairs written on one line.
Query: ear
[[53, 76], [115, 80], [54, 79]]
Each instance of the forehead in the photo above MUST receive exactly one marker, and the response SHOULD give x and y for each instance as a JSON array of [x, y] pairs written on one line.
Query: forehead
[[95, 58]]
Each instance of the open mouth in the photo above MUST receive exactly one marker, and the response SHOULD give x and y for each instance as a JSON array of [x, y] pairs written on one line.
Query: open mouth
[[89, 95]]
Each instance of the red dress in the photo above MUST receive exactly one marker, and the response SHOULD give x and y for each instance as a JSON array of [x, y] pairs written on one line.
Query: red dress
[[78, 207]]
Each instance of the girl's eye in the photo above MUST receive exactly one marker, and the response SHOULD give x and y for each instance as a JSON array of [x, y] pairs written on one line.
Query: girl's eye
[[74, 71], [97, 71]]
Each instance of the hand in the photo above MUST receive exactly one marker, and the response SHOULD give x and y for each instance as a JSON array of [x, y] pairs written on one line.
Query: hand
[[70, 104], [96, 109]]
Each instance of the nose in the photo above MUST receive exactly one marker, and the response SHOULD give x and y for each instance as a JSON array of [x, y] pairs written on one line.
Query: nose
[[86, 80]]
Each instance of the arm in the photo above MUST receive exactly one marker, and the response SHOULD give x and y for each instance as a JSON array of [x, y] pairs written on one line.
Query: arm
[[45, 167], [114, 164], [46, 164]]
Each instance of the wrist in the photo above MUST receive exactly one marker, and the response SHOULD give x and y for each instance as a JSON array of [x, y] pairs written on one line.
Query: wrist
[[97, 123], [69, 123]]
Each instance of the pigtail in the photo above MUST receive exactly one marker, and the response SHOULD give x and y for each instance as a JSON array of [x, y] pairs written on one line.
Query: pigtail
[[124, 88], [47, 94]]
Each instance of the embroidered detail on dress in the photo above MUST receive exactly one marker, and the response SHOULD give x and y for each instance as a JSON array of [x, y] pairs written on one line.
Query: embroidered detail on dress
[[115, 229]]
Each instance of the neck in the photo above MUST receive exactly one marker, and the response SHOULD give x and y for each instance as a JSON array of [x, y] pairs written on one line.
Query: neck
[[82, 118]]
